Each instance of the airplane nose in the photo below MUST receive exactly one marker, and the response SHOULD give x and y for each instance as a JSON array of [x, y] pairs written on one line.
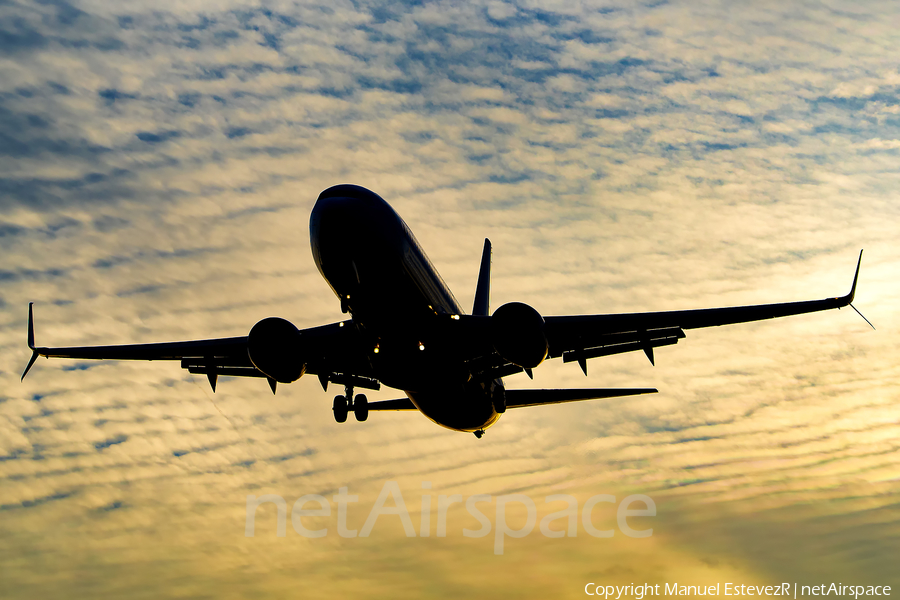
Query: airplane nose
[[344, 212], [348, 190], [350, 222], [333, 215]]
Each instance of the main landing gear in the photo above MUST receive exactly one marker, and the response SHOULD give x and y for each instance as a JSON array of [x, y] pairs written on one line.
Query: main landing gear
[[346, 403]]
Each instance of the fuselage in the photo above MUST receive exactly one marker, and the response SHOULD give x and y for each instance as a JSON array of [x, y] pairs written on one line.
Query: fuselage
[[400, 306]]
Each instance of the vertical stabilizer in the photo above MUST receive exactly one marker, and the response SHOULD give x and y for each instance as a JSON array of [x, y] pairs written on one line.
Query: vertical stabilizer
[[483, 289]]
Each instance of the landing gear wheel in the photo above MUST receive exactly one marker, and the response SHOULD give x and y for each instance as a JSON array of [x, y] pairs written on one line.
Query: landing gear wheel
[[361, 407], [340, 409], [479, 433]]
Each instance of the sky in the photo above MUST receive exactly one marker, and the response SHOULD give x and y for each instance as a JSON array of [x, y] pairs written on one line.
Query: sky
[[159, 163]]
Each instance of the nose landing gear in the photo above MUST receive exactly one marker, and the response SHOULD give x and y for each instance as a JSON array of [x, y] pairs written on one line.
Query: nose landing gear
[[346, 403]]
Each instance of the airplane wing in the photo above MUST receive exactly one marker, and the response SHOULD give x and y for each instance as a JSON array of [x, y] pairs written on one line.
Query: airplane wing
[[578, 338], [335, 358], [582, 337]]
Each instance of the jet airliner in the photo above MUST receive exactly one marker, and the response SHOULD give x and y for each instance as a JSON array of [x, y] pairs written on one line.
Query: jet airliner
[[407, 331]]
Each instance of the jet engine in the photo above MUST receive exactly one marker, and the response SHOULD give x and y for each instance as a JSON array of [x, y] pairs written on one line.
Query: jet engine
[[517, 333], [275, 349]]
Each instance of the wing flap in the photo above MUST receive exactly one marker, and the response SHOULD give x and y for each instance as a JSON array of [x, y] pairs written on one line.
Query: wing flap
[[618, 343], [226, 371]]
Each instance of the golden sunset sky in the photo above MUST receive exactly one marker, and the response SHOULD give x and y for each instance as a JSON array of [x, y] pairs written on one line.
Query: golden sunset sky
[[158, 164]]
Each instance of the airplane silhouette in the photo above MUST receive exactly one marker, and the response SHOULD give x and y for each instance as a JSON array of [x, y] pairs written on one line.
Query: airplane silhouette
[[407, 331]]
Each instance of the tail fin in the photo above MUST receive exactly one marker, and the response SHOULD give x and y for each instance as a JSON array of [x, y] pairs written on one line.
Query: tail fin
[[483, 288]]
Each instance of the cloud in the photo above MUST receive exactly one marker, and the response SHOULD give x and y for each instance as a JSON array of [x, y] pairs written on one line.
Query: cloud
[[159, 165]]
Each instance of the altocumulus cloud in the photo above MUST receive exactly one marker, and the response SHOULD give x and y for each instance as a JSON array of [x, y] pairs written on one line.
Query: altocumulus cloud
[[158, 166]]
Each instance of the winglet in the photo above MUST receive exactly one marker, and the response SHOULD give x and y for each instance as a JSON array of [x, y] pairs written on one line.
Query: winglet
[[31, 325], [863, 316], [482, 305], [849, 297], [34, 353], [34, 356]]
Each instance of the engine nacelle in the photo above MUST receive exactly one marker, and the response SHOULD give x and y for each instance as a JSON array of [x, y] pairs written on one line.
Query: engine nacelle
[[275, 349], [517, 333]]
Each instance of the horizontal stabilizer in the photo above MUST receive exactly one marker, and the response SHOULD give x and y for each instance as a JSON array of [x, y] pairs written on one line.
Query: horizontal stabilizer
[[519, 398], [400, 404]]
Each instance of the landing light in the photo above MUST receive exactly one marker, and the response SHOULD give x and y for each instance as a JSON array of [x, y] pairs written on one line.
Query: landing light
[[341, 324], [454, 317], [377, 350], [421, 346]]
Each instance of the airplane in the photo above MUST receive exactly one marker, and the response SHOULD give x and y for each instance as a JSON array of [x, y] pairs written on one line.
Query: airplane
[[407, 331]]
